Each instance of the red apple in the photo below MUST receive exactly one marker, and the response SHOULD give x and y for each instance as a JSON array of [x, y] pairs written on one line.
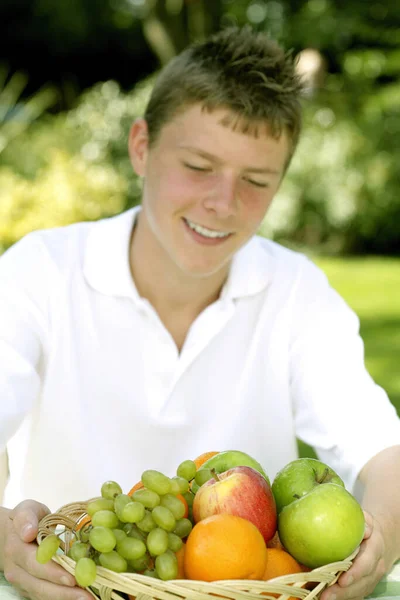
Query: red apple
[[240, 491]]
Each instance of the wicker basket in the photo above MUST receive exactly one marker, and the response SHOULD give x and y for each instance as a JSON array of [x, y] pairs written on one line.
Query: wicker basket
[[305, 586]]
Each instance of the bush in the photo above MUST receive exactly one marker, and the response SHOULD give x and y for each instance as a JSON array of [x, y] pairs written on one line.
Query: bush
[[66, 190], [341, 193], [72, 167]]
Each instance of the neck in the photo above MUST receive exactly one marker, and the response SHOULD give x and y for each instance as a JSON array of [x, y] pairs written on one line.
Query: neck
[[169, 290]]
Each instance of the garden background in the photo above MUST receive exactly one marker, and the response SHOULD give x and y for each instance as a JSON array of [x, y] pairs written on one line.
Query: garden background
[[73, 76]]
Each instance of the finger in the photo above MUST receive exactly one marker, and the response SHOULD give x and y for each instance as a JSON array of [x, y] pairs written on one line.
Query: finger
[[26, 517], [39, 589], [364, 564], [369, 525], [24, 557], [50, 571]]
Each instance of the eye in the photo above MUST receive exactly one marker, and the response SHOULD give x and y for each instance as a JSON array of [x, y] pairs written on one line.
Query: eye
[[196, 168], [258, 184]]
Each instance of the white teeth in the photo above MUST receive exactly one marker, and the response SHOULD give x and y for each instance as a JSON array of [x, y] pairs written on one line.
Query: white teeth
[[206, 232]]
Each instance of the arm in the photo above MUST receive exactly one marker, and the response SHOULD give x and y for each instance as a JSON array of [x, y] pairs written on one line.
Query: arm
[[381, 545], [23, 327], [381, 498], [350, 422]]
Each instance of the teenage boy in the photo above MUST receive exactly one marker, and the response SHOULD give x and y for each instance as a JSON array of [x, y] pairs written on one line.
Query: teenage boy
[[171, 329]]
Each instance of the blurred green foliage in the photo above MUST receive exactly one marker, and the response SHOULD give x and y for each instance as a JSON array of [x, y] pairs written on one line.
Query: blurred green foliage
[[341, 193], [371, 286]]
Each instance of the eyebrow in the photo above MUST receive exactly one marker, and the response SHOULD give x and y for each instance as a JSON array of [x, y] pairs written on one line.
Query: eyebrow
[[214, 158]]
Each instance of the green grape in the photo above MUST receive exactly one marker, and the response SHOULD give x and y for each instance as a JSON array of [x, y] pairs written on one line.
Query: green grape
[[156, 482], [120, 502], [84, 533], [189, 497], [99, 504], [105, 518], [167, 566], [164, 518], [85, 572], [174, 542], [102, 539], [179, 483], [127, 527], [47, 548], [151, 573], [131, 548], [202, 476], [174, 505], [110, 489], [120, 534], [187, 469], [147, 523], [79, 550], [136, 533], [132, 512], [140, 564], [148, 498], [157, 541], [113, 561], [175, 487], [183, 527]]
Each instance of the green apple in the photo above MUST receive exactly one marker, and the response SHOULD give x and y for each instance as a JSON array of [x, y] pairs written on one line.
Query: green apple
[[299, 477], [223, 461], [323, 526]]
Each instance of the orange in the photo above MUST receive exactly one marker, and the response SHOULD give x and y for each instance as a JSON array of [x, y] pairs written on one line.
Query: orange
[[182, 499], [83, 521], [225, 547], [201, 459], [180, 555], [280, 563], [138, 486]]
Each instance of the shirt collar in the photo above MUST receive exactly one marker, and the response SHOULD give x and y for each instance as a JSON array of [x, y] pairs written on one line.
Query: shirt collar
[[106, 264], [251, 270], [106, 261]]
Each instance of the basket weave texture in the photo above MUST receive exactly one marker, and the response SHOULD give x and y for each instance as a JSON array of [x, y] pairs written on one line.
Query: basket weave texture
[[303, 586]]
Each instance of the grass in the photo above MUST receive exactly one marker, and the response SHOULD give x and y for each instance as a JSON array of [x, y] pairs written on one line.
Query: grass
[[371, 286]]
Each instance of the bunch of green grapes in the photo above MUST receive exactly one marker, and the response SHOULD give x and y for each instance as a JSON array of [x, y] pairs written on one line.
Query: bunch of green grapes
[[133, 534]]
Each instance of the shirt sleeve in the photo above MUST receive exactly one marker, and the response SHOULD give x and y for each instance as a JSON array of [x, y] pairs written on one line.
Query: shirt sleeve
[[22, 331], [338, 408]]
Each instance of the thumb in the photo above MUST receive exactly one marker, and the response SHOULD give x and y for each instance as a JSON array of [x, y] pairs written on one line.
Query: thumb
[[369, 525], [26, 516]]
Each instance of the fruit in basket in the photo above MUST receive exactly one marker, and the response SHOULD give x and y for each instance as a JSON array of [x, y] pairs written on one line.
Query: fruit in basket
[[299, 477], [47, 549], [225, 547], [222, 461], [280, 563], [202, 458], [240, 491], [85, 572], [322, 526], [110, 489]]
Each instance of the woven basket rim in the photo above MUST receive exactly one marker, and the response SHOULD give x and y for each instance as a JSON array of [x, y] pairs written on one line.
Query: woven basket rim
[[108, 584]]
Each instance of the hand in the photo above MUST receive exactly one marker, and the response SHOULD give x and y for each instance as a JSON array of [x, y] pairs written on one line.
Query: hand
[[368, 568], [21, 569]]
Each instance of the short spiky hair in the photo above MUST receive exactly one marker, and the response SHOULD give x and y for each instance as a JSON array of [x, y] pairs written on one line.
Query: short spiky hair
[[237, 69]]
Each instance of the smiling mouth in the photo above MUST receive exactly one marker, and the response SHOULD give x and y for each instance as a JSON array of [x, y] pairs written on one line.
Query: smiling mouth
[[207, 233]]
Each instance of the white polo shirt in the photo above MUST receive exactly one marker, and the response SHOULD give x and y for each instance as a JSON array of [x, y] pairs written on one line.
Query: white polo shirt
[[92, 386]]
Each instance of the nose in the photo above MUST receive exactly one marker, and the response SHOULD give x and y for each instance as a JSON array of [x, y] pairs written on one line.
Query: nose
[[223, 198]]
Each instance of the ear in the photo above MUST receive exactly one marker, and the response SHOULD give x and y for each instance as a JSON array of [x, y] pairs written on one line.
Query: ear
[[138, 146]]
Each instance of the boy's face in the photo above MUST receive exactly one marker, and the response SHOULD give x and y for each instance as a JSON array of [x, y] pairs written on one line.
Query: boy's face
[[206, 188]]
